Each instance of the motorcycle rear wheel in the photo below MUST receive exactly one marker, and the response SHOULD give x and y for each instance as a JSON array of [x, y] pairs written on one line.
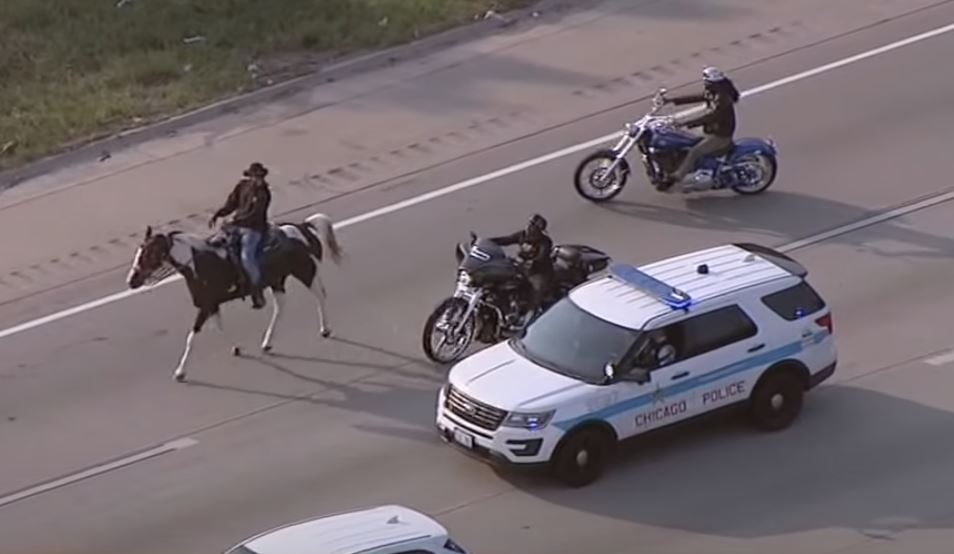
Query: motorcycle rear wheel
[[766, 167]]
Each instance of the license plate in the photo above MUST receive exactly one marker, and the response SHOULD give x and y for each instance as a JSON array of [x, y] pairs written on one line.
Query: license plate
[[463, 438]]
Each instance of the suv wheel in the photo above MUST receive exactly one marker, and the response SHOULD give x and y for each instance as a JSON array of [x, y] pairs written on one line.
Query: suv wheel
[[582, 457], [776, 401]]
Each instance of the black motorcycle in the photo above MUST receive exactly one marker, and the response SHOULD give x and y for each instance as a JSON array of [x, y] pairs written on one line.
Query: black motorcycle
[[491, 300]]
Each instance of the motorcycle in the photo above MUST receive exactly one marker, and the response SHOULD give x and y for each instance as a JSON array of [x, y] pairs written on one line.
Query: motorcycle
[[491, 299], [747, 167]]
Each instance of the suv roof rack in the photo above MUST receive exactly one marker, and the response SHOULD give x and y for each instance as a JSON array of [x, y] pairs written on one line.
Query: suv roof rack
[[774, 256]]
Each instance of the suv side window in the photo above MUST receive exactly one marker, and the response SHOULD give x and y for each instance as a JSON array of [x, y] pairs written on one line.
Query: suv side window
[[707, 332], [794, 302]]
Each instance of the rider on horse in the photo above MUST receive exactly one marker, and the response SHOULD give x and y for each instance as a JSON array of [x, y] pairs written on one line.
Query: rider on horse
[[249, 200]]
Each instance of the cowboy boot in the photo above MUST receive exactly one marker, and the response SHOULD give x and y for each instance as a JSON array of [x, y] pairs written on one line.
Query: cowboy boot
[[258, 298]]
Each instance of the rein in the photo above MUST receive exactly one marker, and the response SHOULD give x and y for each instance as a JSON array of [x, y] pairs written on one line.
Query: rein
[[167, 268], [162, 272]]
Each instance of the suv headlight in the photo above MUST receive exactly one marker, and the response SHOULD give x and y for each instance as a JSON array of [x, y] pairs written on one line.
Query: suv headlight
[[529, 420]]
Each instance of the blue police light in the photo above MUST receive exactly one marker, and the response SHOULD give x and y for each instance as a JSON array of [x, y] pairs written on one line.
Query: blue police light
[[671, 296]]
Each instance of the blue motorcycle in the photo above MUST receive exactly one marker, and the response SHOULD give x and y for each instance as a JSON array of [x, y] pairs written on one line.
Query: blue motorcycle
[[749, 166]]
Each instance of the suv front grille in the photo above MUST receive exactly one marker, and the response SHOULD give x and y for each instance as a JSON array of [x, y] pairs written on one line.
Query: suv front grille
[[473, 411]]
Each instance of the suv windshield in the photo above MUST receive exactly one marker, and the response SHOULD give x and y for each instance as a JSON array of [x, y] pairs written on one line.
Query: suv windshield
[[573, 342]]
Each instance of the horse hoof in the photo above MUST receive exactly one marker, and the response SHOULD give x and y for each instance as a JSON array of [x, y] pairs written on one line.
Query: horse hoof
[[266, 348], [325, 333], [180, 377], [236, 351]]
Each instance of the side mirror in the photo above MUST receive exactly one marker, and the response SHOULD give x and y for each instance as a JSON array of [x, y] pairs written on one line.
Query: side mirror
[[473, 237], [459, 253]]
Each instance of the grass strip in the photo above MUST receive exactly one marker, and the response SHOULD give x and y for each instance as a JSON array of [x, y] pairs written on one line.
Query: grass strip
[[75, 70]]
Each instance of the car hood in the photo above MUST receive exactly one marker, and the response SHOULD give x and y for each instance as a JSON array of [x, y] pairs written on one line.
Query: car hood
[[501, 377]]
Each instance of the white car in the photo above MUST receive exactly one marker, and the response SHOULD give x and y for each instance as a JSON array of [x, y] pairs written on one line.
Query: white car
[[639, 349], [380, 530]]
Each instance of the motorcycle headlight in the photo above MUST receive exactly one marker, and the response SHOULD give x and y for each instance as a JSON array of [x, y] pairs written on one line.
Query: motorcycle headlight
[[463, 278], [529, 420]]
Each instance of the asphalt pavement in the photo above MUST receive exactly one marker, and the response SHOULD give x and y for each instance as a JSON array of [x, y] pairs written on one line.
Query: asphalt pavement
[[324, 425]]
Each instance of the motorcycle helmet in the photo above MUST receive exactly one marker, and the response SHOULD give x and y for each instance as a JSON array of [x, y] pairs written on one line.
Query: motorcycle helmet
[[537, 222], [712, 74]]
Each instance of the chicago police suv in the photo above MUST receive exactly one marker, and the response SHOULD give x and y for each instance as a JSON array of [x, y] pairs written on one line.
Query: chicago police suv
[[640, 349]]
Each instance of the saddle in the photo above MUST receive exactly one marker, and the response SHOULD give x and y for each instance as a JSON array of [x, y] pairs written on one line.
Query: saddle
[[228, 239]]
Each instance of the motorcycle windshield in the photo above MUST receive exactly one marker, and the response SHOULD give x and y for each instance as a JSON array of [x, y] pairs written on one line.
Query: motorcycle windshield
[[484, 253]]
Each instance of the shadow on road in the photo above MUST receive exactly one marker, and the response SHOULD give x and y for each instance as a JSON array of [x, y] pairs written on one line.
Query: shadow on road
[[379, 391], [856, 459], [771, 213]]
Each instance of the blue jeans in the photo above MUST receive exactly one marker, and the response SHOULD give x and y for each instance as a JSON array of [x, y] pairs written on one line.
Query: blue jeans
[[251, 240]]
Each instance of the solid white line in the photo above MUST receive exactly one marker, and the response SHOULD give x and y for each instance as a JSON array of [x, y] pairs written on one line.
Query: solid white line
[[26, 326], [171, 446], [942, 359]]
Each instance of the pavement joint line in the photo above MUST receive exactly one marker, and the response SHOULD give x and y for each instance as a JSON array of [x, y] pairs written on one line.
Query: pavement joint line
[[906, 208], [522, 166], [99, 469]]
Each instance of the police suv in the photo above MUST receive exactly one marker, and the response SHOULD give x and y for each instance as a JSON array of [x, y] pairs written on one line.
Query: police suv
[[639, 349]]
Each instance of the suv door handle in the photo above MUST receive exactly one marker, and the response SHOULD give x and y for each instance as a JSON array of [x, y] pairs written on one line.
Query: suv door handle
[[680, 375], [757, 347]]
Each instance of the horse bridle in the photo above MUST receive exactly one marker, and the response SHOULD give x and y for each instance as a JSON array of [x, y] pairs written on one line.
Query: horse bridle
[[167, 265]]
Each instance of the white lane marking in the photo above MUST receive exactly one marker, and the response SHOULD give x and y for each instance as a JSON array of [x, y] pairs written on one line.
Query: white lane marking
[[26, 326], [166, 448], [942, 359]]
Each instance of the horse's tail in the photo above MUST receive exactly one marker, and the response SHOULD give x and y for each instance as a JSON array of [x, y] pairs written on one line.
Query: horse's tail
[[323, 227]]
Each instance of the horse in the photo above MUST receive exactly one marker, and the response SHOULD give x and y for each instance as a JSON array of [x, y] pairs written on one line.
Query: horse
[[214, 277]]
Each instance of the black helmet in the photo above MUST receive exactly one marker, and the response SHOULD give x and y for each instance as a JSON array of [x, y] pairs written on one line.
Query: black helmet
[[538, 221]]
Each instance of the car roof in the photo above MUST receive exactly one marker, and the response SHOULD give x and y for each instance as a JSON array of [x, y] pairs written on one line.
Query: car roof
[[348, 532], [631, 296]]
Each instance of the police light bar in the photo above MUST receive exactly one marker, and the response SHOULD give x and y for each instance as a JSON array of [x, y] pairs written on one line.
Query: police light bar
[[671, 296]]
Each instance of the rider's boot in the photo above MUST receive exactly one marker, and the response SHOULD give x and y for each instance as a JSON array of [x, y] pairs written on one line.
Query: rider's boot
[[258, 298], [664, 184]]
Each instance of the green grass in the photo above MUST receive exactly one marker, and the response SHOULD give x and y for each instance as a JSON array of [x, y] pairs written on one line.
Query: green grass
[[73, 70]]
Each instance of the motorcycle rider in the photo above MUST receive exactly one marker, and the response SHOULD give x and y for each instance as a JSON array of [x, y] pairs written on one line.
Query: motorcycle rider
[[717, 121], [535, 249], [249, 200]]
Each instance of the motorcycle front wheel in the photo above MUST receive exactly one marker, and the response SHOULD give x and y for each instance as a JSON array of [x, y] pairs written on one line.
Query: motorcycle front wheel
[[440, 325], [598, 184]]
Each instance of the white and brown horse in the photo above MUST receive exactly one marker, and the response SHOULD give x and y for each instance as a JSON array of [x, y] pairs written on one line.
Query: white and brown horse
[[213, 278]]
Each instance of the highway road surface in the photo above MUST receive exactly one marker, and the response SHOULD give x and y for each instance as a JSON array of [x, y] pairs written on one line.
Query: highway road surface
[[149, 466]]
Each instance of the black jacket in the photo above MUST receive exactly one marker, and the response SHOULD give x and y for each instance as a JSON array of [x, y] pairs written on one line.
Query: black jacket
[[250, 204], [537, 252], [719, 116]]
